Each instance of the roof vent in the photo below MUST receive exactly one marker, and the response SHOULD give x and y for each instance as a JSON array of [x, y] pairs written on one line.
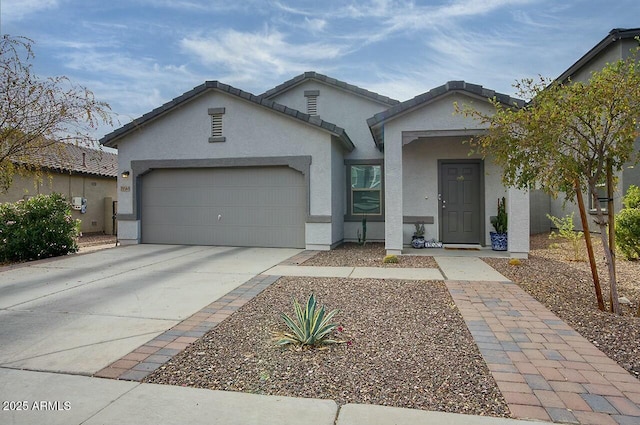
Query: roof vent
[[312, 101]]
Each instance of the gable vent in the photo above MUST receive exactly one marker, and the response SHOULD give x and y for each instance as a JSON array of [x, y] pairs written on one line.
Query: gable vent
[[312, 101], [216, 125]]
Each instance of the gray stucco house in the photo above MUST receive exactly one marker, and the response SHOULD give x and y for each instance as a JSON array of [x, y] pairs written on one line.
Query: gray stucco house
[[301, 164], [615, 46]]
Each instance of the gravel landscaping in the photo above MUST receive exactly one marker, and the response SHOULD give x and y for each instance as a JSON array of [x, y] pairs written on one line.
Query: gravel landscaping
[[566, 288], [95, 239], [369, 255], [407, 346]]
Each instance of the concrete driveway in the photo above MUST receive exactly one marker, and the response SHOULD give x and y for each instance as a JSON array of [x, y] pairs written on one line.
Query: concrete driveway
[[80, 313]]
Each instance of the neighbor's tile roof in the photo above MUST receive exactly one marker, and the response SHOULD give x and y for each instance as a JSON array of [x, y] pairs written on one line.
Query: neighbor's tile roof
[[311, 75], [614, 35], [65, 157], [376, 122], [112, 138]]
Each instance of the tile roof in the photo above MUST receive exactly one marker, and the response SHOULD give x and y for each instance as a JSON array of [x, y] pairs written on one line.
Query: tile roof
[[66, 157], [112, 138], [614, 35], [376, 122], [311, 75]]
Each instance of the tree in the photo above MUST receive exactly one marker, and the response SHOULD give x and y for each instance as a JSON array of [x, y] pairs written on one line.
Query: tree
[[564, 139], [36, 114]]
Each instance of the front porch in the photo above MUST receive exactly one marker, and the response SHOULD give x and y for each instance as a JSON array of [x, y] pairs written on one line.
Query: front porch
[[432, 178]]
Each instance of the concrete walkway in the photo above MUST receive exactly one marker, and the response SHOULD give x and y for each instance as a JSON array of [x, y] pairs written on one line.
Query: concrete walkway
[[449, 268]]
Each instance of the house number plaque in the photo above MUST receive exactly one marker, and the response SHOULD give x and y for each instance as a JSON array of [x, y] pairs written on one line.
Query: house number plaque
[[125, 188]]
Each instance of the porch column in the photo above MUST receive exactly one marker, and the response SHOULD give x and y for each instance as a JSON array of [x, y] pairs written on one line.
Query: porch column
[[518, 224], [393, 195]]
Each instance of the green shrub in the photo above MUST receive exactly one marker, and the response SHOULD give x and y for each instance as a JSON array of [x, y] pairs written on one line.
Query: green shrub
[[566, 231], [40, 227], [390, 259], [632, 198], [628, 232], [312, 327]]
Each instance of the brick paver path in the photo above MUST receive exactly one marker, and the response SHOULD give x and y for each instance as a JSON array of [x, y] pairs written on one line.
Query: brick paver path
[[544, 368], [136, 365]]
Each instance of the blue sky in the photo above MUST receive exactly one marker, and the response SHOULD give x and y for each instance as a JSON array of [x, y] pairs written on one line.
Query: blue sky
[[138, 54]]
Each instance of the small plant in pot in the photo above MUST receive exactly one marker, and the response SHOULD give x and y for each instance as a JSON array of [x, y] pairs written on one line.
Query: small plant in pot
[[499, 237], [417, 240]]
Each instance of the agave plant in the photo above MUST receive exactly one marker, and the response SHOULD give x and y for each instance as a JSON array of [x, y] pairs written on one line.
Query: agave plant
[[312, 327]]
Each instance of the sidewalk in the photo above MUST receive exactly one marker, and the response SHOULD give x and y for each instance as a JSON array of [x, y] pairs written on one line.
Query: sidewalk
[[75, 400]]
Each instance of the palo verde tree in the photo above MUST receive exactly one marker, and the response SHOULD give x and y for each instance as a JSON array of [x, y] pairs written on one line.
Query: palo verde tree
[[37, 113], [564, 139]]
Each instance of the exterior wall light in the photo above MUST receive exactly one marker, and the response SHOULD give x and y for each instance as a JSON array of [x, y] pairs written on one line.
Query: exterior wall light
[[125, 174]]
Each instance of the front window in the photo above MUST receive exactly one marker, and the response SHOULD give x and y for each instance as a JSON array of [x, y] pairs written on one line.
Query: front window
[[366, 189]]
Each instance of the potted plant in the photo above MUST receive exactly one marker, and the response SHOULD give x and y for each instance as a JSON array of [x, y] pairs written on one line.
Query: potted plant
[[499, 237], [417, 240]]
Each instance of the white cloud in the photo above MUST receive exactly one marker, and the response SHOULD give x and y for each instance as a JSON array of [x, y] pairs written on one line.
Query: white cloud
[[15, 10], [209, 6], [315, 25], [131, 85], [247, 56]]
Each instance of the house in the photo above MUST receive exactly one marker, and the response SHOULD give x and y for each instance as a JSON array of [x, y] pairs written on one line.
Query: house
[[76, 172], [615, 46], [301, 164]]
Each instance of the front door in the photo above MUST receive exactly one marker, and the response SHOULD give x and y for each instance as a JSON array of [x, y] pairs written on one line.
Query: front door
[[460, 202]]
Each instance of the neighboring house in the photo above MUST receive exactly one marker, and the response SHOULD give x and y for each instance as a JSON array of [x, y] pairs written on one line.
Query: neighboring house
[[75, 172], [300, 165], [615, 46]]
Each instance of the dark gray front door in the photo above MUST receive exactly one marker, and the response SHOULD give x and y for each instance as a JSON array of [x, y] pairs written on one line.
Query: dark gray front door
[[460, 202]]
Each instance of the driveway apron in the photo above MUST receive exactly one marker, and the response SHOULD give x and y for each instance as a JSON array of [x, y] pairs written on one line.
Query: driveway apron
[[78, 314]]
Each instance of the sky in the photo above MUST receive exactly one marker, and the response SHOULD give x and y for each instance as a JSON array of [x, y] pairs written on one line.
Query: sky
[[138, 54]]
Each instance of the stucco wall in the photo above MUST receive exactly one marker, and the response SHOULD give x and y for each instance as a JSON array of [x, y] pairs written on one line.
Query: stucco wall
[[93, 188], [342, 108], [250, 130], [540, 206], [560, 207], [338, 195], [350, 112]]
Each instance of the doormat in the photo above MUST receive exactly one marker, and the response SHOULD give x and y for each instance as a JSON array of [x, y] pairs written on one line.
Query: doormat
[[462, 248]]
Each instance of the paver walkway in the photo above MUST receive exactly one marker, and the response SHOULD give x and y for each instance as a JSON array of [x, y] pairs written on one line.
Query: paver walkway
[[544, 369], [138, 364]]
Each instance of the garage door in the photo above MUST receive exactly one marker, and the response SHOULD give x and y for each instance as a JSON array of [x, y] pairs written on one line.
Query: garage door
[[262, 206]]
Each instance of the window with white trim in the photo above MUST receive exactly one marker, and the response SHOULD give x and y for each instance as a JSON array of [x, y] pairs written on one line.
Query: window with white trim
[[217, 134]]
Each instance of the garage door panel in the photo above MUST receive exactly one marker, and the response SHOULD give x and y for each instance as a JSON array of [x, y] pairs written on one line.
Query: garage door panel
[[230, 206]]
